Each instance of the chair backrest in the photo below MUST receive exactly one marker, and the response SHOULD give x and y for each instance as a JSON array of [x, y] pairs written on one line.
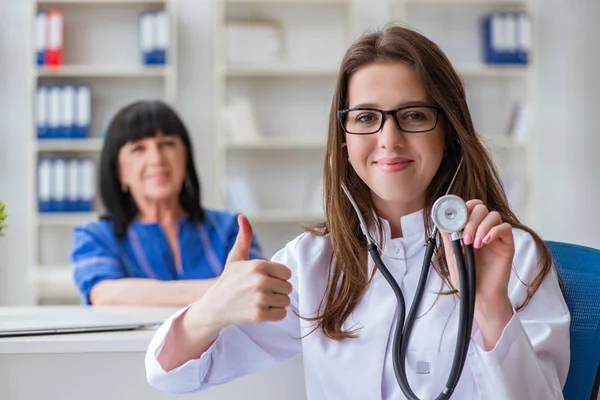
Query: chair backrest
[[579, 270]]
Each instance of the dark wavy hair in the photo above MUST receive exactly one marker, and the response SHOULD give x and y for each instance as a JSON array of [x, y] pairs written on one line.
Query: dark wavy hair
[[140, 120]]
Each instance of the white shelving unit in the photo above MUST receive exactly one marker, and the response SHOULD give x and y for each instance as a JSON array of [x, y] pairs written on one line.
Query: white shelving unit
[[455, 25], [283, 168], [100, 51]]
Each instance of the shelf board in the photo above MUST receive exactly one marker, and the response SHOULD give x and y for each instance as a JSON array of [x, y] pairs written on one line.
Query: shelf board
[[103, 71], [96, 2], [487, 70], [280, 70], [55, 282], [285, 216], [504, 142], [277, 144], [517, 3], [467, 70], [65, 219], [285, 1], [70, 145]]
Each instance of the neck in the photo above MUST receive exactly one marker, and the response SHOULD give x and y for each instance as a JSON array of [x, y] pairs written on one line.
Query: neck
[[393, 213], [162, 212]]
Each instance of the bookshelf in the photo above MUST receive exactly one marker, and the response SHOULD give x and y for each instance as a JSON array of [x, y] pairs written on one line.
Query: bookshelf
[[282, 167], [492, 89], [101, 51]]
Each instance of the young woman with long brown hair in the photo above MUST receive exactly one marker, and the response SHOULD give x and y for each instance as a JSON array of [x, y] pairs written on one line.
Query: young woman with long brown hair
[[399, 127]]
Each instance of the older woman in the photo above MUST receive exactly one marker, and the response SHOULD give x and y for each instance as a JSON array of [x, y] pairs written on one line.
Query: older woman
[[156, 245]]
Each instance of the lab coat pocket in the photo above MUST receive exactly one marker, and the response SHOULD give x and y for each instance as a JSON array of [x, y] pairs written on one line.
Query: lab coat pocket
[[428, 374]]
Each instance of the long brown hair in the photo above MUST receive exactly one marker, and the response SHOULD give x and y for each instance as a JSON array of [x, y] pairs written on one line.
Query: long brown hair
[[478, 178]]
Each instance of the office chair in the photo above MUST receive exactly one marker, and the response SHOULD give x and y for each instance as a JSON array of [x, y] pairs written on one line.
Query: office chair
[[579, 270]]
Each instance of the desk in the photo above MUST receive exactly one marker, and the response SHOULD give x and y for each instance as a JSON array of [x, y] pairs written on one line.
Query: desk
[[110, 365]]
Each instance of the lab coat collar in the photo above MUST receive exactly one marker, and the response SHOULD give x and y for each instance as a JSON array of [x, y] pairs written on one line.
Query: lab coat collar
[[413, 232]]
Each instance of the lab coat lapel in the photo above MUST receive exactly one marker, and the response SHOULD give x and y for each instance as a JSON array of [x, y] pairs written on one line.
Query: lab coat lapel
[[368, 351]]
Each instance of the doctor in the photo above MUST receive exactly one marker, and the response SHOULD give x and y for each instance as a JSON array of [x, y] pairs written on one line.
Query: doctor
[[321, 296]]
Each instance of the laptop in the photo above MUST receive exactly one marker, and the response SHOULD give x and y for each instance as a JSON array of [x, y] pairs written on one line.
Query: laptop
[[47, 320]]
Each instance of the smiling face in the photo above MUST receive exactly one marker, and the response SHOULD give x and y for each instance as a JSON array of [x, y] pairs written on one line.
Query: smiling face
[[153, 168], [397, 166]]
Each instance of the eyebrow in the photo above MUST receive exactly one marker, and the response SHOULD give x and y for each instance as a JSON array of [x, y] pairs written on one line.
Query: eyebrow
[[405, 104]]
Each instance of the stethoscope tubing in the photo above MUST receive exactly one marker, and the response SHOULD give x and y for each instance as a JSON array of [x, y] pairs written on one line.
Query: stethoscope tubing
[[403, 328]]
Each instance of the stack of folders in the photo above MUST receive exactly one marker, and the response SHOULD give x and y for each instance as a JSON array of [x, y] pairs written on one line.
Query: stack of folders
[[253, 42], [507, 38], [154, 37], [66, 185], [49, 37], [63, 111], [239, 121]]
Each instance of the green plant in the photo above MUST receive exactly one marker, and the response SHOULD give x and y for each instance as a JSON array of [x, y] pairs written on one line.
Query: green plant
[[2, 218]]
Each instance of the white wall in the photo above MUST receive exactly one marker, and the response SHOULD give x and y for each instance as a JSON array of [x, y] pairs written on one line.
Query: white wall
[[569, 120], [15, 104], [569, 94]]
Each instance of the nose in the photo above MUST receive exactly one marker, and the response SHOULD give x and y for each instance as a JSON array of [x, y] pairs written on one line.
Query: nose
[[155, 154], [390, 136]]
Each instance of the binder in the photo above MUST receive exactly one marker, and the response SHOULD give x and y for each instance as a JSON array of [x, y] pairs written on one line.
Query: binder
[[506, 38], [510, 34], [147, 37], [54, 54], [40, 37], [58, 197], [72, 185], [42, 112], [523, 38], [44, 178], [67, 109], [161, 22], [83, 112], [54, 111], [87, 185]]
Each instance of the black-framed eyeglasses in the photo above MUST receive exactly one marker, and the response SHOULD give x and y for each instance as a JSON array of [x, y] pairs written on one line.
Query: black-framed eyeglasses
[[366, 120]]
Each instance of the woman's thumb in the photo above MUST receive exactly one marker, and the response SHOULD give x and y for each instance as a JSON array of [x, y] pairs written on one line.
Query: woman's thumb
[[241, 247]]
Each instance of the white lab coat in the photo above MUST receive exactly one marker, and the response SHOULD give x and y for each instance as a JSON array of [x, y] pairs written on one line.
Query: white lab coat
[[530, 361]]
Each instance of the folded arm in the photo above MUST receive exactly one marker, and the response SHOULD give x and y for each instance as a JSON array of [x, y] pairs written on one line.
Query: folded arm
[[149, 292]]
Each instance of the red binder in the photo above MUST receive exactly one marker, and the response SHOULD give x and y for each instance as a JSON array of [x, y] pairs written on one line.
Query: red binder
[[55, 30]]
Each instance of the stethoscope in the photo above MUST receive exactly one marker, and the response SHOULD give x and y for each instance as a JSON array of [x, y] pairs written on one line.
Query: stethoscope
[[449, 214]]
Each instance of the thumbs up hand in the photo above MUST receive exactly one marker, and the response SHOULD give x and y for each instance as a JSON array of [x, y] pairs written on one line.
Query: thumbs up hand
[[248, 291]]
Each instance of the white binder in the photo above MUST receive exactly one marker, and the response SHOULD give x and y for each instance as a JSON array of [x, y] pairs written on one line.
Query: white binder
[[83, 116], [67, 111]]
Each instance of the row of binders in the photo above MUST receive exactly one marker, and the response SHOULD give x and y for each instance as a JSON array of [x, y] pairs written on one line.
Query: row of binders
[[507, 38], [63, 111], [66, 185], [153, 37]]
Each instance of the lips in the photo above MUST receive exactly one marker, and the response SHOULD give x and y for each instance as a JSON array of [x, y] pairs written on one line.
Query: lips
[[393, 164], [158, 177]]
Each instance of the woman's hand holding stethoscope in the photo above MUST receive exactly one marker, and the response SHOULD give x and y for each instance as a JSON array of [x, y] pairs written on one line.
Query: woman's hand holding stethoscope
[[494, 249]]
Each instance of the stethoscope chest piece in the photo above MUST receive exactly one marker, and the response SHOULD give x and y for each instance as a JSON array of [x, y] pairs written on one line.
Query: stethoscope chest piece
[[449, 213]]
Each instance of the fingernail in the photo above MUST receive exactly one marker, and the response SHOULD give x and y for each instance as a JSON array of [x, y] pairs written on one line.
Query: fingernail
[[477, 243], [487, 238], [467, 239]]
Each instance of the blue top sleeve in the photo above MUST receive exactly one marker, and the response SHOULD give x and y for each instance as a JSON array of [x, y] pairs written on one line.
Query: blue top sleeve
[[255, 250], [95, 257], [226, 226]]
